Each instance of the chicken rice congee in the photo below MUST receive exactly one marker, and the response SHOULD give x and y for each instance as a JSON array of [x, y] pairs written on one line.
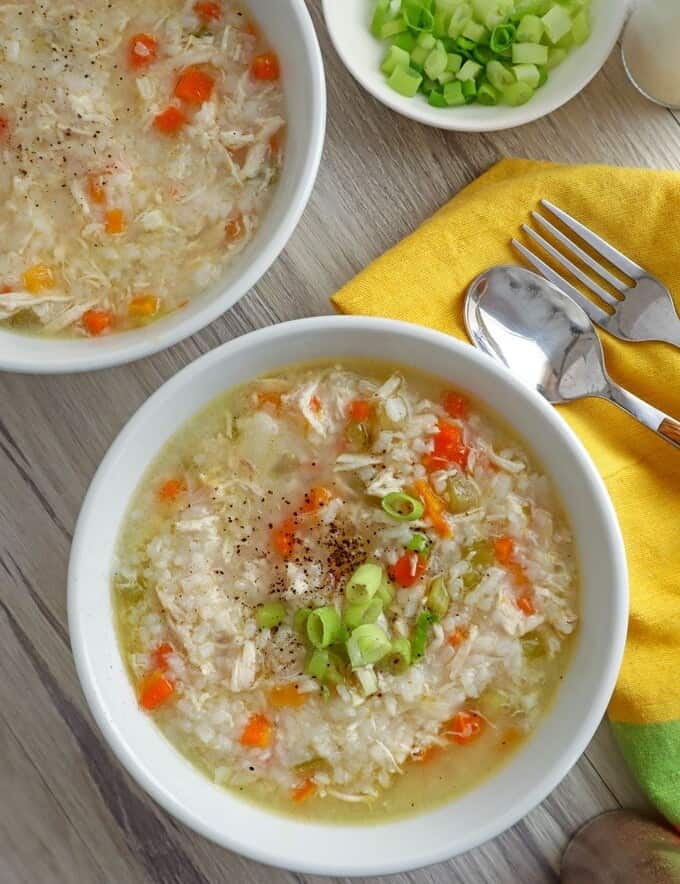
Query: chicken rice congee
[[346, 591]]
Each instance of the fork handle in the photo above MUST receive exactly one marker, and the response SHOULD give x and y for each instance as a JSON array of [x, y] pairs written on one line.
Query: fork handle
[[662, 424]]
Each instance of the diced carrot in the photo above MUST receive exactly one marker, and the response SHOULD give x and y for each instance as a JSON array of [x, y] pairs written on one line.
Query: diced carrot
[[95, 190], [304, 791], [239, 154], [37, 278], [434, 508], [208, 12], [170, 120], [235, 228], [194, 86], [171, 489], [315, 404], [143, 50], [448, 445], [316, 498], [6, 289], [4, 128], [408, 569], [143, 305], [456, 405], [518, 575], [96, 322], [159, 657], [269, 398], [287, 696], [283, 538], [154, 689], [257, 733], [458, 636], [427, 754], [266, 67], [464, 727], [505, 550], [359, 410], [251, 29], [114, 222], [525, 605], [276, 142]]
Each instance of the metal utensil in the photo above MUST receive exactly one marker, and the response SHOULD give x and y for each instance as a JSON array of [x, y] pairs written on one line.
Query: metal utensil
[[644, 309], [549, 343]]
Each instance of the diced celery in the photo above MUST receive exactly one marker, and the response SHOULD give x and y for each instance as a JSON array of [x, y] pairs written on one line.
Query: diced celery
[[428, 84], [580, 28], [557, 23], [555, 58], [461, 16], [436, 99], [517, 93], [469, 89], [487, 95], [475, 32], [529, 30], [380, 14], [469, 70], [529, 53], [567, 42], [405, 41], [542, 75], [442, 20], [394, 56], [454, 62], [446, 77], [427, 41], [482, 54], [392, 27], [419, 55], [405, 81], [499, 75], [527, 73], [492, 12], [453, 94], [435, 63]]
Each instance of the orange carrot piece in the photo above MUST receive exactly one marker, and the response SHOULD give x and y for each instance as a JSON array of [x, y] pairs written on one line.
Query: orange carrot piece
[[208, 12], [427, 755], [434, 508], [316, 498], [359, 410], [273, 399], [96, 322], [287, 696], [315, 404], [95, 190], [171, 489], [143, 50], [235, 228], [154, 689], [266, 67], [276, 142], [37, 278], [159, 657], [239, 154], [257, 733], [464, 727], [408, 569], [456, 405], [304, 791], [194, 86], [170, 120], [458, 636], [283, 538], [114, 222], [505, 550], [4, 128], [251, 29], [525, 605]]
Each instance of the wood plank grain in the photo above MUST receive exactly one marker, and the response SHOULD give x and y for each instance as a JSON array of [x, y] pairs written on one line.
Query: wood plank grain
[[77, 816]]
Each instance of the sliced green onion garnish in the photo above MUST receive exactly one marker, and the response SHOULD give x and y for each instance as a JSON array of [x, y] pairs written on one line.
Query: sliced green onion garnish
[[323, 627], [421, 633], [357, 615], [557, 23], [300, 620], [270, 614], [399, 657], [419, 543], [402, 507], [460, 17], [438, 598], [530, 29], [368, 644], [324, 666], [501, 38], [385, 592], [367, 679], [364, 583]]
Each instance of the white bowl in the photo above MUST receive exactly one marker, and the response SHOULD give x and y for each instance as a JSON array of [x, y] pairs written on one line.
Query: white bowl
[[348, 25], [290, 29], [349, 850]]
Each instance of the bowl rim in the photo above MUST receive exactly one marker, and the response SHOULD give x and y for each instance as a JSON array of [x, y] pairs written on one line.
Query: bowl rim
[[159, 336], [440, 118], [416, 856]]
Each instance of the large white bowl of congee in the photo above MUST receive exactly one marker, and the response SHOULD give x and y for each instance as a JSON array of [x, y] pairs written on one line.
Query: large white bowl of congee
[[156, 158], [346, 598]]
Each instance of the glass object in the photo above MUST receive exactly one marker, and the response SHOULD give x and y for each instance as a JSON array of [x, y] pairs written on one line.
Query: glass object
[[650, 50]]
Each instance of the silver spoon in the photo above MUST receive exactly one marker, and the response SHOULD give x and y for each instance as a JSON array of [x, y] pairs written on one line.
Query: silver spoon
[[548, 342]]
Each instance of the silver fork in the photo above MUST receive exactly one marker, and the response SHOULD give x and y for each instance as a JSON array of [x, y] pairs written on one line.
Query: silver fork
[[643, 312]]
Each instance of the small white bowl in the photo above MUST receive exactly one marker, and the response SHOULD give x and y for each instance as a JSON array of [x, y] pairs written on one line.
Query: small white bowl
[[348, 25], [289, 26], [396, 846]]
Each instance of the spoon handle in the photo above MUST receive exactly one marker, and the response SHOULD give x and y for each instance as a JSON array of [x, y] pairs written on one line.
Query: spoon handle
[[662, 424]]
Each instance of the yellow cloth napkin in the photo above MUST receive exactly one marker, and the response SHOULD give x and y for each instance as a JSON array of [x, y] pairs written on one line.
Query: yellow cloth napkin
[[423, 280]]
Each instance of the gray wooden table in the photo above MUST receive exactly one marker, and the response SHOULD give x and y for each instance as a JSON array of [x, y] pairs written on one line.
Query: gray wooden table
[[68, 812]]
